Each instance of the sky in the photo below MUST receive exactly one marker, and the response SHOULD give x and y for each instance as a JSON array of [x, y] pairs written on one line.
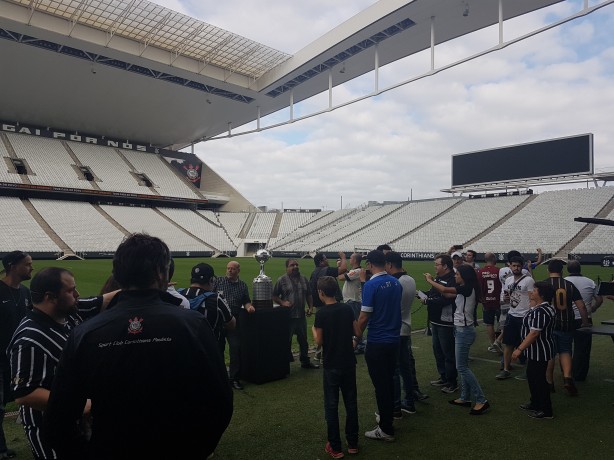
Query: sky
[[399, 144]]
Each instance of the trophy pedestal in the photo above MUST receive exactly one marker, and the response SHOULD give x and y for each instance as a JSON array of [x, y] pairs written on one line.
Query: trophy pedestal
[[265, 339]]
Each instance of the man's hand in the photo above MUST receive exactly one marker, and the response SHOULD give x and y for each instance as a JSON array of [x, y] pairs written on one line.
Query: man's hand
[[309, 311], [428, 277]]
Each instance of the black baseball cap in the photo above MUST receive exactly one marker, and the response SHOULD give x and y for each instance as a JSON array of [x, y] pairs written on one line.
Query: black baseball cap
[[202, 273]]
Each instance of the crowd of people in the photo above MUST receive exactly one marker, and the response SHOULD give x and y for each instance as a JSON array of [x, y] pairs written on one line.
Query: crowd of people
[[71, 369]]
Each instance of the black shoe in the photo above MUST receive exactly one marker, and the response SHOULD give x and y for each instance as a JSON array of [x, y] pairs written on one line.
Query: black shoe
[[570, 387], [419, 396], [541, 415], [528, 407], [484, 408], [310, 366], [8, 453], [236, 385], [455, 402]]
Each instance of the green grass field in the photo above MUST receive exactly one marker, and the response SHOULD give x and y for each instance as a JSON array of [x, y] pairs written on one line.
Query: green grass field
[[285, 419]]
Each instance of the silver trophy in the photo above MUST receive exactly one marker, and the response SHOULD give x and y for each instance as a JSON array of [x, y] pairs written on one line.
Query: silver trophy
[[263, 285]]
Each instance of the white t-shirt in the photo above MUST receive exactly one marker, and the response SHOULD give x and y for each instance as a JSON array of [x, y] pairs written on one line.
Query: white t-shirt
[[351, 288], [519, 295], [587, 288]]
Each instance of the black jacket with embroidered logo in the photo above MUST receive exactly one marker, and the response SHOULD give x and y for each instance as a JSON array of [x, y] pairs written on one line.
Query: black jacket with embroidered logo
[[156, 379]]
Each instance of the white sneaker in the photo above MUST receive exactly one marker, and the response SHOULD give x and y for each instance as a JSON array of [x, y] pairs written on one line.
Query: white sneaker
[[379, 435]]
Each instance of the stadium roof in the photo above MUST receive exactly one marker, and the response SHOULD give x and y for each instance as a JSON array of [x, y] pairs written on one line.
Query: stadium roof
[[131, 69]]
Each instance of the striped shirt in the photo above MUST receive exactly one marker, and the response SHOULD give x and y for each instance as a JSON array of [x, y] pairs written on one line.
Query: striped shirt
[[540, 318], [565, 295], [34, 353]]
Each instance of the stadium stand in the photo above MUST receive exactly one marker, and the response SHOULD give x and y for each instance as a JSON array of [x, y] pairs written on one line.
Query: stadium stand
[[262, 226], [290, 221], [138, 219], [460, 224], [106, 164], [599, 241], [320, 220], [49, 161], [6, 174], [233, 222], [164, 179], [198, 225], [20, 230], [397, 224], [546, 222], [80, 225]]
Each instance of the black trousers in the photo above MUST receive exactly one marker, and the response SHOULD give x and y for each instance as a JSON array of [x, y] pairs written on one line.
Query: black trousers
[[381, 361], [539, 386]]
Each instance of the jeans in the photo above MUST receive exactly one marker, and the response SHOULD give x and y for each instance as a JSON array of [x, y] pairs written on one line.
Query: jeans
[[406, 370], [470, 388], [539, 386], [381, 361], [344, 380], [443, 349], [298, 326]]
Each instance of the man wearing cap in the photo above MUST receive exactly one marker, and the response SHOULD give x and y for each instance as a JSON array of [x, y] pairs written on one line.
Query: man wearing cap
[[14, 303], [236, 294], [206, 300], [381, 310], [457, 259]]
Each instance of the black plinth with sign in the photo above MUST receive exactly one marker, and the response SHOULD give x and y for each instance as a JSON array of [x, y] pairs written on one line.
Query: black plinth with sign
[[265, 338]]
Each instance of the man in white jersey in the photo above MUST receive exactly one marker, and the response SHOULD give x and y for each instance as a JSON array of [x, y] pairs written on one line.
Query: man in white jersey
[[582, 342], [352, 287], [515, 293]]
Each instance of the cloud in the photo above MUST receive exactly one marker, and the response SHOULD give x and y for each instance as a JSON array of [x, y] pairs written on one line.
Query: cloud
[[556, 84]]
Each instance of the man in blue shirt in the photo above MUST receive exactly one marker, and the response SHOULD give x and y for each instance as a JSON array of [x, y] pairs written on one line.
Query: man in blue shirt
[[381, 311]]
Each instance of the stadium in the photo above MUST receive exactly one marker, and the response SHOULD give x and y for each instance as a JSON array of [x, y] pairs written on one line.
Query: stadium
[[121, 172], [105, 105]]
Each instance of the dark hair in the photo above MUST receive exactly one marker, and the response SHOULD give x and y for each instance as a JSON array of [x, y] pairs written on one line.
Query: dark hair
[[171, 269], [472, 252], [555, 266], [47, 280], [445, 260], [512, 254], [357, 257], [110, 285], [318, 258], [490, 257], [288, 262], [516, 260], [140, 260], [394, 259], [545, 289], [328, 285], [467, 273], [13, 258], [574, 267], [376, 258], [383, 247]]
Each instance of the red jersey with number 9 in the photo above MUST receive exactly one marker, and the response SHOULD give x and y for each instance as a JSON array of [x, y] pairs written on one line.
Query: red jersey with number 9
[[491, 287]]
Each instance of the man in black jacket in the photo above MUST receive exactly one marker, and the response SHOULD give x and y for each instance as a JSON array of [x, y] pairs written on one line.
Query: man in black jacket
[[153, 372], [441, 315]]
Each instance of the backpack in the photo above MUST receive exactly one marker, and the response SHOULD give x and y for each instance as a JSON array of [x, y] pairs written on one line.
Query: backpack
[[313, 286], [197, 301]]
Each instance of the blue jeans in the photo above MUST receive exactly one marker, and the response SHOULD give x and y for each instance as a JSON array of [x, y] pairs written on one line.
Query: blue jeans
[[344, 380], [470, 388], [405, 370], [381, 361], [443, 349]]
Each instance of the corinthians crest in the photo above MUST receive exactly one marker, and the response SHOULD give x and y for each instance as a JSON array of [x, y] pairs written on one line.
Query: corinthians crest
[[136, 326]]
